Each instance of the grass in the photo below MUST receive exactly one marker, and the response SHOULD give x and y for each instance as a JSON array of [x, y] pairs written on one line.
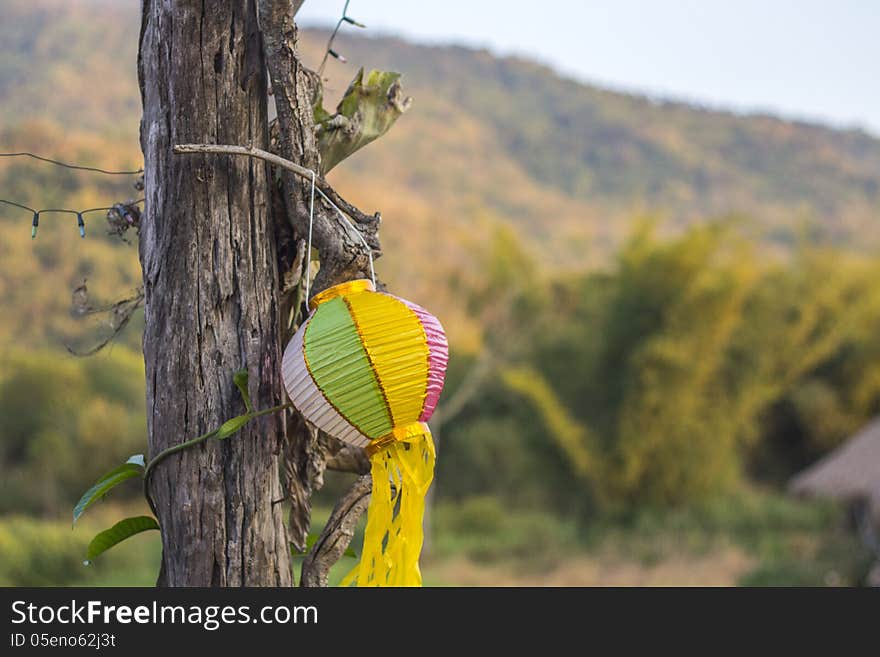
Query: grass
[[792, 542], [753, 538], [756, 537], [41, 552], [483, 531]]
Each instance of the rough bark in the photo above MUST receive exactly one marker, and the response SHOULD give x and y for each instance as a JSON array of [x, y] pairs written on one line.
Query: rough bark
[[341, 253], [211, 295], [337, 533], [308, 452]]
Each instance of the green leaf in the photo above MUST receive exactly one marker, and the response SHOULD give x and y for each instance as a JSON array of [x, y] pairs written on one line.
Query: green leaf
[[311, 539], [240, 379], [232, 426], [119, 532], [367, 111], [130, 469]]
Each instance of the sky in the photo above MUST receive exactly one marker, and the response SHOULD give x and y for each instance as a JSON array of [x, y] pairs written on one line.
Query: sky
[[809, 59]]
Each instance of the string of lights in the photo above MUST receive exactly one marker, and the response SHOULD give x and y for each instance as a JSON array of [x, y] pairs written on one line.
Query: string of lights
[[72, 166], [80, 220], [329, 52]]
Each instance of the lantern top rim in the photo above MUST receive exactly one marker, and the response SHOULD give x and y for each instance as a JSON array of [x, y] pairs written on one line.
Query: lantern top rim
[[349, 287]]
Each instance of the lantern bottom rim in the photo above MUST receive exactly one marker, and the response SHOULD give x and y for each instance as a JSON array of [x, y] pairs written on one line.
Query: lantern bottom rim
[[399, 434]]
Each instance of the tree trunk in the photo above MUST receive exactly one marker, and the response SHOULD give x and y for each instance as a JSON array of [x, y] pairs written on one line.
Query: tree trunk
[[211, 295]]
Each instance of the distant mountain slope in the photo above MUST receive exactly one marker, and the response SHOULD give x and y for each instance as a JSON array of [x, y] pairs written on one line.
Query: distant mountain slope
[[488, 141], [74, 63], [618, 151], [71, 62]]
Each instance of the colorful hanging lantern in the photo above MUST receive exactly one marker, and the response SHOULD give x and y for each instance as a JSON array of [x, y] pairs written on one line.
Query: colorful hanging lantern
[[368, 368]]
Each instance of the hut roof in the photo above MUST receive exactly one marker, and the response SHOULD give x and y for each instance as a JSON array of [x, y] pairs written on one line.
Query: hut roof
[[849, 472]]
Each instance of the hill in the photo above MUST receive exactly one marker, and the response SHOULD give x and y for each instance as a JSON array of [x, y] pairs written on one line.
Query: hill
[[489, 141], [616, 151]]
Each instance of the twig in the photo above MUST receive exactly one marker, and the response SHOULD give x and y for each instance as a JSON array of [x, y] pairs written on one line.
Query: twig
[[251, 151], [122, 312], [349, 459], [165, 453], [321, 185], [338, 248]]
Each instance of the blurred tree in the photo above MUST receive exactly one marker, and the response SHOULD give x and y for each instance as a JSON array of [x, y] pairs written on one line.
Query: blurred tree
[[503, 294], [62, 424], [660, 381]]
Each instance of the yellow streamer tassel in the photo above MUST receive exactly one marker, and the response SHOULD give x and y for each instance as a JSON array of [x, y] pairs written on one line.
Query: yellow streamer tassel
[[402, 470]]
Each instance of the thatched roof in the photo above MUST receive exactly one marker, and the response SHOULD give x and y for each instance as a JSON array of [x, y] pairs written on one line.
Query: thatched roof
[[850, 472]]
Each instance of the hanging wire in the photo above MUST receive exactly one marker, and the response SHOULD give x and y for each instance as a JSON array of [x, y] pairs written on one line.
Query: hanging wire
[[309, 244], [363, 240], [328, 51], [308, 174], [80, 221], [18, 205], [72, 166]]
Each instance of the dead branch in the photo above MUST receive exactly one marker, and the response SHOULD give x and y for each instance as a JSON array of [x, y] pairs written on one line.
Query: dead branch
[[304, 461], [349, 459], [252, 151], [124, 216], [370, 220], [337, 533], [120, 313]]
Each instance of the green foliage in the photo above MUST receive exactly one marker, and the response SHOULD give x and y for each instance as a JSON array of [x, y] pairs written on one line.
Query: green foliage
[[745, 516], [119, 532], [668, 378], [136, 467], [65, 419], [133, 467], [614, 151], [232, 425], [783, 542], [490, 142], [646, 390], [484, 530], [240, 379], [675, 310], [39, 552]]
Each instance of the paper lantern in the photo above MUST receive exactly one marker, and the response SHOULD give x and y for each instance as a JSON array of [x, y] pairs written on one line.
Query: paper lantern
[[368, 368]]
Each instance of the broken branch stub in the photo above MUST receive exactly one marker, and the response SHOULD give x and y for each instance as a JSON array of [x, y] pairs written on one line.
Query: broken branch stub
[[366, 112]]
